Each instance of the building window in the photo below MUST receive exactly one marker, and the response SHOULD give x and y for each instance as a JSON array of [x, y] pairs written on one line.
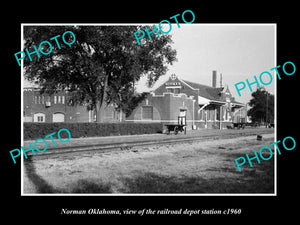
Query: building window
[[226, 114], [211, 114], [59, 99], [176, 90], [35, 99], [218, 113], [27, 119], [147, 112], [39, 117], [63, 99], [201, 114], [43, 99], [58, 117], [55, 99]]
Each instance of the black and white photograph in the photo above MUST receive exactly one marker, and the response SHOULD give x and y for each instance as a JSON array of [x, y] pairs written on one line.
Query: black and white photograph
[[159, 116], [141, 111]]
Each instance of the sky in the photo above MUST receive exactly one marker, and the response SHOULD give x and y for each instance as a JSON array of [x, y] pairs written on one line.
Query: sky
[[238, 51]]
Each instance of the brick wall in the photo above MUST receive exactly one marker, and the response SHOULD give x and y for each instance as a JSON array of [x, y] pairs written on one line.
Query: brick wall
[[38, 105], [166, 108]]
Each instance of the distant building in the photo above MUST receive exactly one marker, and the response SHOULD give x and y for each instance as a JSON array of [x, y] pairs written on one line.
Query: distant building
[[55, 108], [204, 106]]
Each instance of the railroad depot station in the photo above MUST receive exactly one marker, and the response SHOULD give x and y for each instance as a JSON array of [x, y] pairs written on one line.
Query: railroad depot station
[[204, 106]]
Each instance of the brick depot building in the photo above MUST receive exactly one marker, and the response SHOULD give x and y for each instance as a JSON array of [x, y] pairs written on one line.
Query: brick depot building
[[204, 106]]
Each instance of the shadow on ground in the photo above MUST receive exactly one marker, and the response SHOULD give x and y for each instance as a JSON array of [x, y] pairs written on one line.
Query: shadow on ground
[[154, 183], [81, 186], [251, 180], [87, 186], [40, 184]]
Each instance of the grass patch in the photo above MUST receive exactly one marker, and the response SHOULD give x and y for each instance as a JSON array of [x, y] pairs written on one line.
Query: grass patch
[[251, 180]]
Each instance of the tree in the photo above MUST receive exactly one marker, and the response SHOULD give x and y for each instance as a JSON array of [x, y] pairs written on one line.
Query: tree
[[262, 104], [100, 67]]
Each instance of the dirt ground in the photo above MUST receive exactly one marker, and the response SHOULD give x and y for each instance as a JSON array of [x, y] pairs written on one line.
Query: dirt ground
[[197, 167]]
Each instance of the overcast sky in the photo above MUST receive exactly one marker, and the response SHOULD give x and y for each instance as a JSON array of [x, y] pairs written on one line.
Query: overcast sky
[[238, 51]]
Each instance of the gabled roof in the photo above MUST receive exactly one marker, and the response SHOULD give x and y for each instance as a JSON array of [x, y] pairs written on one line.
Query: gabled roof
[[213, 94], [205, 91]]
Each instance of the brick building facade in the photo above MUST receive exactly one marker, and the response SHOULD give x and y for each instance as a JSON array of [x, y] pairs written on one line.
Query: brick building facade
[[55, 108], [205, 106]]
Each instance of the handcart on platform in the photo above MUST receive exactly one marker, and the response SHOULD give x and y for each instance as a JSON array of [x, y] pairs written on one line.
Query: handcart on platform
[[180, 126]]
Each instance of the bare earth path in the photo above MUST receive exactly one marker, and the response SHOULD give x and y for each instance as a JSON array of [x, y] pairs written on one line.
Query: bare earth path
[[197, 167]]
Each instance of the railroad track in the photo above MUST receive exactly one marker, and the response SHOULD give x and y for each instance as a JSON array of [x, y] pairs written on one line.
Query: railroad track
[[108, 147]]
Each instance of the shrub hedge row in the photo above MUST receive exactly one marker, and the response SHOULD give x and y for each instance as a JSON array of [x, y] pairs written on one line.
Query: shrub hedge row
[[40, 130]]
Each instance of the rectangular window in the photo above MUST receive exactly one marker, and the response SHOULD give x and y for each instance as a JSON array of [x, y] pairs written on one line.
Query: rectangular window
[[176, 90], [170, 90], [59, 99], [35, 99], [147, 112], [63, 99], [55, 99], [43, 99], [218, 113], [211, 114], [201, 113], [226, 114]]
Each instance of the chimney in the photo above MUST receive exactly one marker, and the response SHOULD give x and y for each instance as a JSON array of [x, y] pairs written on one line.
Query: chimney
[[214, 78]]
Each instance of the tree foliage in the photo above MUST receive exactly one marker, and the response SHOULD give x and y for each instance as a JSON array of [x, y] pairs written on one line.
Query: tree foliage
[[262, 104], [101, 66]]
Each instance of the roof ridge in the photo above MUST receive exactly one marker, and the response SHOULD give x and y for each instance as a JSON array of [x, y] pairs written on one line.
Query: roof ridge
[[199, 84]]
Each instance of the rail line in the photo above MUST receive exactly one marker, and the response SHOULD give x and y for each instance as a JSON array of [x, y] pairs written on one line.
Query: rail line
[[108, 147]]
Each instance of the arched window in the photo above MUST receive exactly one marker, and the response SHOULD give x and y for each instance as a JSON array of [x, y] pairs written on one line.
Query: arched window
[[39, 117], [58, 117]]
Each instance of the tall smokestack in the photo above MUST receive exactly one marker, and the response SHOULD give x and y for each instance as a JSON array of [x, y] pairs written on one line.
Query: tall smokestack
[[214, 78]]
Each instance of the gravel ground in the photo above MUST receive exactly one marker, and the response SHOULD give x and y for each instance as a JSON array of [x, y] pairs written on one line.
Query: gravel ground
[[197, 167]]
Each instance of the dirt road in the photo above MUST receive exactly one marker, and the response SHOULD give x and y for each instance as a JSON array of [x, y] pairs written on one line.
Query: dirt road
[[198, 167]]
